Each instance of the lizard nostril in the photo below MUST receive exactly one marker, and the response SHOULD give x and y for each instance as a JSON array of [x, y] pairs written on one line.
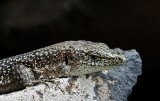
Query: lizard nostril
[[120, 59]]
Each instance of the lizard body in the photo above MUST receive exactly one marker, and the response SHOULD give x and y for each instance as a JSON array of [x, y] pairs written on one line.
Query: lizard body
[[69, 58]]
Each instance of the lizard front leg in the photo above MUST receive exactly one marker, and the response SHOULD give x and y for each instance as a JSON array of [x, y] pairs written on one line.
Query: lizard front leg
[[26, 75], [16, 78]]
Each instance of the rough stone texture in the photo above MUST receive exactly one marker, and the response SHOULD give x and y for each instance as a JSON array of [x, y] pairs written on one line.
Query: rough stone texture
[[112, 85]]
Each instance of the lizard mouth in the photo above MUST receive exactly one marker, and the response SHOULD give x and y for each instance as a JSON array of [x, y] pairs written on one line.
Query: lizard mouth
[[123, 59]]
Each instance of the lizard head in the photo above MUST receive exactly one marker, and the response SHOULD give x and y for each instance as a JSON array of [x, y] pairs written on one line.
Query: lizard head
[[83, 57]]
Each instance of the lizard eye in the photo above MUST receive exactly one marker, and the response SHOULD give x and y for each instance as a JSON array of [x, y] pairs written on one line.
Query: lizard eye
[[93, 57]]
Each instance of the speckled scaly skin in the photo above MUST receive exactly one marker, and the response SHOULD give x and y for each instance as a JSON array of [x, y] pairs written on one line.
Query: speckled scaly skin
[[69, 58]]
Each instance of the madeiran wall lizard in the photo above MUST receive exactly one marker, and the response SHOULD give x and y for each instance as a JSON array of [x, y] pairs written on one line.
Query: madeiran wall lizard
[[69, 58]]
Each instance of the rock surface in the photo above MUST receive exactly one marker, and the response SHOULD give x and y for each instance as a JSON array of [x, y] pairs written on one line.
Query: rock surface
[[113, 85]]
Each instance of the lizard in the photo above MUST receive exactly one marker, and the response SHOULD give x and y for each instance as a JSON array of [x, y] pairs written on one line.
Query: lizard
[[64, 59]]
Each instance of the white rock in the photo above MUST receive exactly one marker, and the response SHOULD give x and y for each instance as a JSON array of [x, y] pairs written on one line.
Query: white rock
[[113, 85]]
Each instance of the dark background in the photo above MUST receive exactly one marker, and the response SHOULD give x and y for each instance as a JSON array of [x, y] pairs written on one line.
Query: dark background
[[26, 25]]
